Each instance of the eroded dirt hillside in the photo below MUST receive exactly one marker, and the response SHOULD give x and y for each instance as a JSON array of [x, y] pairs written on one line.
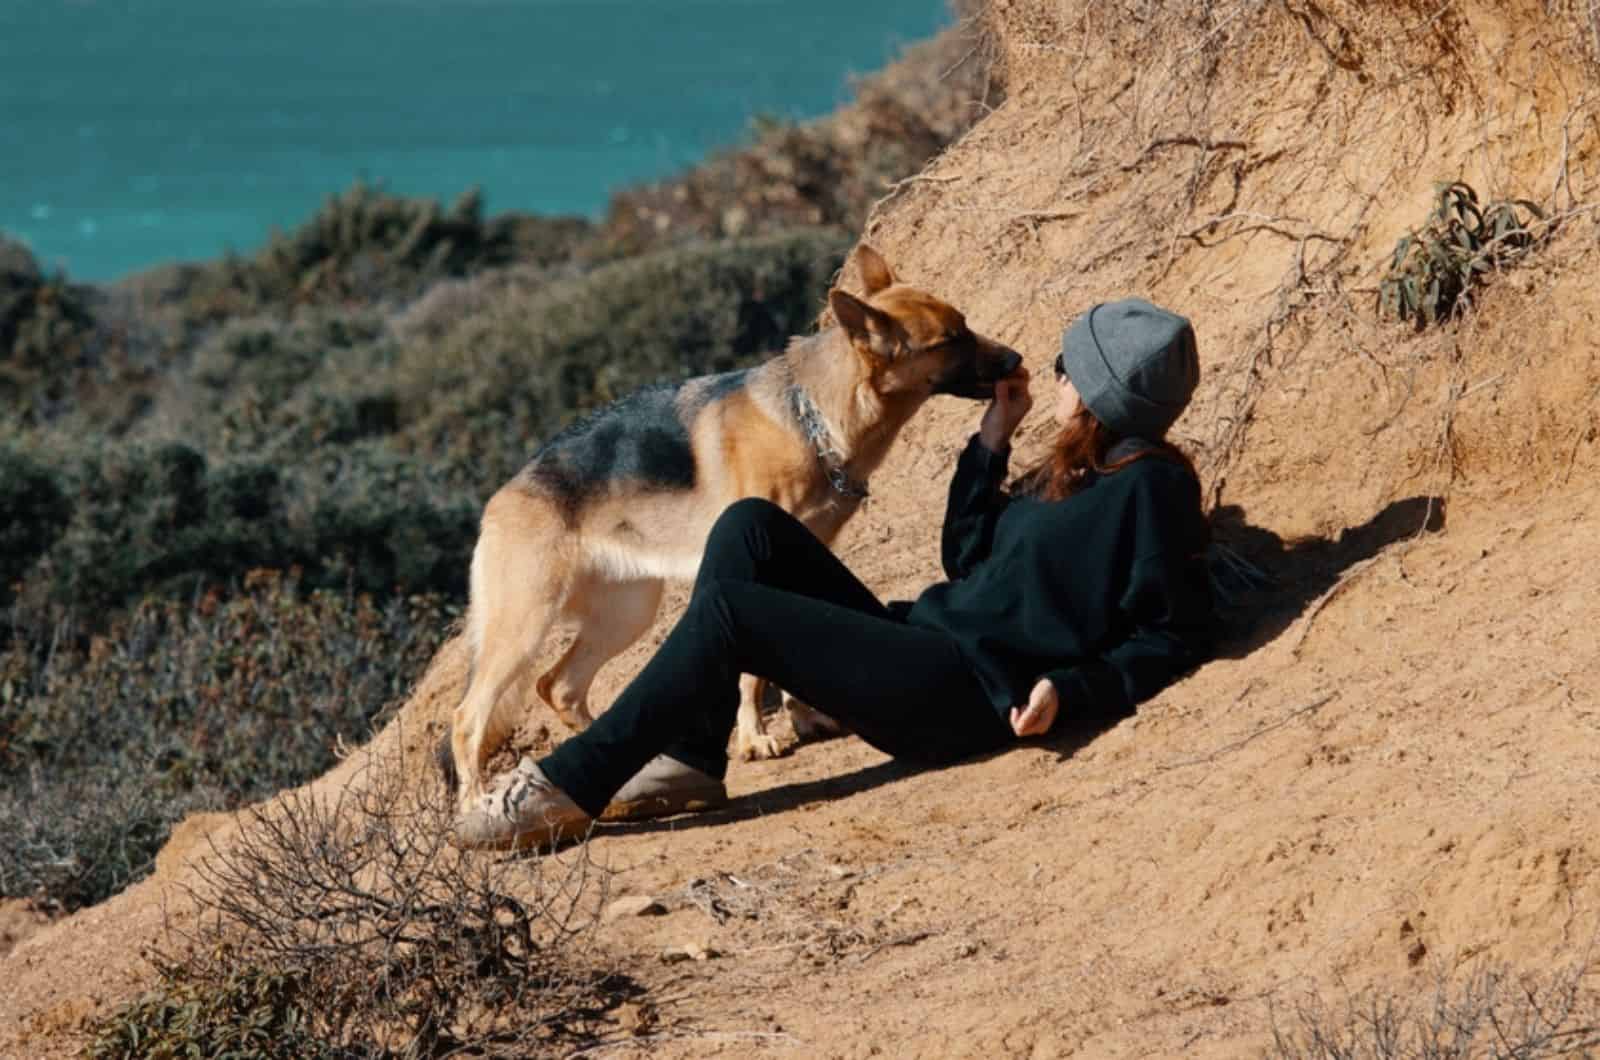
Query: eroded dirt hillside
[[1390, 774]]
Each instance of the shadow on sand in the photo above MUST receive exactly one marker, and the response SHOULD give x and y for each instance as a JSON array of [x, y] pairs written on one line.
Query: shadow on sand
[[1255, 607], [1258, 599]]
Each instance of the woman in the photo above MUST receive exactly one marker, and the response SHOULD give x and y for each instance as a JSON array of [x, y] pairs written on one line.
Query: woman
[[1076, 596]]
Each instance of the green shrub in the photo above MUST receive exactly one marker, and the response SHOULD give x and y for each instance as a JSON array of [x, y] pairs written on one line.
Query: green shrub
[[363, 246], [157, 519], [33, 511], [1434, 268], [364, 235], [383, 523], [244, 1013], [47, 334], [278, 387], [274, 356], [184, 706]]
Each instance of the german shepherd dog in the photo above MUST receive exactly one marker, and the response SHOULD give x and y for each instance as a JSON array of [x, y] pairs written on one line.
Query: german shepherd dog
[[585, 534]]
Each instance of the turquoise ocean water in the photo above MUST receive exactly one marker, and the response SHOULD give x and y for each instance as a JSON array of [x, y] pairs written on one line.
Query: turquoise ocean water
[[139, 131]]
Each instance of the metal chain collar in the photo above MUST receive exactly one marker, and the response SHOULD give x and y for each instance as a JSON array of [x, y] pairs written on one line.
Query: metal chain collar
[[820, 436]]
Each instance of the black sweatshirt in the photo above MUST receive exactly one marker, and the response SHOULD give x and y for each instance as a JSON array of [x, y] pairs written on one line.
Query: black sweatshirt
[[1105, 592]]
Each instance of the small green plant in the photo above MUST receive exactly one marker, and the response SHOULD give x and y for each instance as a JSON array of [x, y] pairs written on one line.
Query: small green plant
[[246, 1013], [1435, 267]]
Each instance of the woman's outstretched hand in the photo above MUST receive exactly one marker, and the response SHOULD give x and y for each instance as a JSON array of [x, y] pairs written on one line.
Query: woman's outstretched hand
[[1011, 402], [1040, 713]]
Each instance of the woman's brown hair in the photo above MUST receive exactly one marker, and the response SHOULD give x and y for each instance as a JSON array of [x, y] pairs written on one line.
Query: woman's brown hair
[[1079, 453]]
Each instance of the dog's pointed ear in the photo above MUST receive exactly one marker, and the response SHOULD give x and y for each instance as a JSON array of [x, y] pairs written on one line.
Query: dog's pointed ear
[[875, 274], [871, 330]]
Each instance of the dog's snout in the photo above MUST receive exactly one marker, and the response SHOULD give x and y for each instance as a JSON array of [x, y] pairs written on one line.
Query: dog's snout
[[981, 366], [998, 362]]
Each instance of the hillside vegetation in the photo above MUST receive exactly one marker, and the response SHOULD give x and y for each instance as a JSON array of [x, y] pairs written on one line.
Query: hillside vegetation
[[1366, 829]]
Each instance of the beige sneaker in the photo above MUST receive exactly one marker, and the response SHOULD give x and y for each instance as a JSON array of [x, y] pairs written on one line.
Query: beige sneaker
[[665, 786], [521, 809]]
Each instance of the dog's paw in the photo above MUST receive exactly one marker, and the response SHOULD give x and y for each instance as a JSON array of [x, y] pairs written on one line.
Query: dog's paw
[[757, 746], [810, 723]]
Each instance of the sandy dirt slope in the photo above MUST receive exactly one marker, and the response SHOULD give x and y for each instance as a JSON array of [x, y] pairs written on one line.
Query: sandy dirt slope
[[1390, 773]]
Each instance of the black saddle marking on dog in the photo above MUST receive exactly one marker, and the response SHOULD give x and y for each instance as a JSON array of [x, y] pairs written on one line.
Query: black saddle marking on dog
[[717, 387], [641, 440]]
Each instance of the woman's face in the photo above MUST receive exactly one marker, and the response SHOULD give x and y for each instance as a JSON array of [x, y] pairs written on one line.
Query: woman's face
[[1068, 404]]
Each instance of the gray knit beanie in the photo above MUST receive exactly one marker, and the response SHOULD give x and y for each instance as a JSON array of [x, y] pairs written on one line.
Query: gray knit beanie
[[1134, 365]]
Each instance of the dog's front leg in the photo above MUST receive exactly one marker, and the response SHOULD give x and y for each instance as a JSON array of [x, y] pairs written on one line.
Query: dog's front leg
[[752, 741]]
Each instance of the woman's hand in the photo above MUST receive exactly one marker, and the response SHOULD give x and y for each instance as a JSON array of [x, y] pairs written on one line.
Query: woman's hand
[[1011, 402], [1040, 713]]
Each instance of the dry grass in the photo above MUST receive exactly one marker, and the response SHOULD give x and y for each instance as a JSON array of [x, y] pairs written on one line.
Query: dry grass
[[798, 904], [1487, 1012], [346, 925]]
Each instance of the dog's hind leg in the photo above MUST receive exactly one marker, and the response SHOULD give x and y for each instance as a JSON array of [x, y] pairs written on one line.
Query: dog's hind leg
[[520, 581], [609, 617], [809, 723]]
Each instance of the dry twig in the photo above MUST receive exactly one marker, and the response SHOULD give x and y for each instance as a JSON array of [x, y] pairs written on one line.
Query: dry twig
[[1254, 734]]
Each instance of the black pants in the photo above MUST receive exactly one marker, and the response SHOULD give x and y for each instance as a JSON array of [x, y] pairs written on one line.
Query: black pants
[[773, 601]]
